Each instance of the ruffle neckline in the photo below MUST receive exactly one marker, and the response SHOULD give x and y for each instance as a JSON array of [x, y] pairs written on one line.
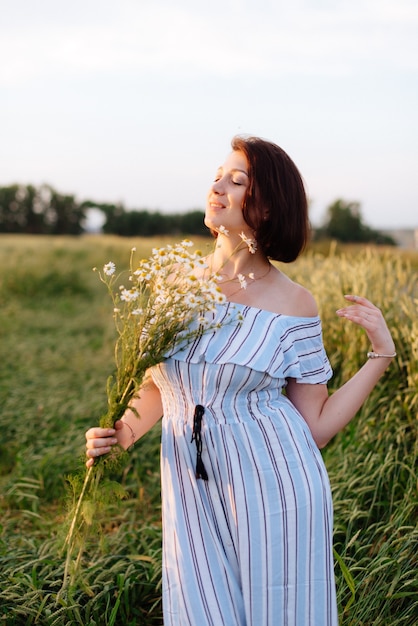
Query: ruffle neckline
[[282, 346]]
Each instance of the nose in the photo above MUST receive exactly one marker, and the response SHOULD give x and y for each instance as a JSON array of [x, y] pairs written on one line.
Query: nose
[[217, 186]]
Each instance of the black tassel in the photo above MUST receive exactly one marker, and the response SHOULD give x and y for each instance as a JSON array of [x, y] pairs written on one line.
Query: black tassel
[[196, 436]]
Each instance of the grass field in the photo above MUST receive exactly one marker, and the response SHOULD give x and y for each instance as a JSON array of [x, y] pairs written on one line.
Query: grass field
[[56, 349]]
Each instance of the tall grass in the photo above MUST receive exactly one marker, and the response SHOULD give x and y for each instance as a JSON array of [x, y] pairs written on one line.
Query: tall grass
[[373, 462], [56, 348]]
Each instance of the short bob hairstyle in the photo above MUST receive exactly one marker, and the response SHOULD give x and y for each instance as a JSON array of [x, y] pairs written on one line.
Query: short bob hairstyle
[[275, 206]]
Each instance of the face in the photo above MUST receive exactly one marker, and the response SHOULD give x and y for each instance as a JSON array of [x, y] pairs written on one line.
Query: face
[[227, 193]]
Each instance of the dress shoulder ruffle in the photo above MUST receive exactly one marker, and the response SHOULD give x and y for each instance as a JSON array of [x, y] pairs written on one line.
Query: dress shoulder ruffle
[[282, 346]]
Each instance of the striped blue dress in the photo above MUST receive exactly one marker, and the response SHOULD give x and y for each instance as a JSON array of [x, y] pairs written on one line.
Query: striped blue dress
[[252, 544]]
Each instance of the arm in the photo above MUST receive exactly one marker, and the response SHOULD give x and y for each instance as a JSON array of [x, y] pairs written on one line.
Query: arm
[[133, 425], [327, 415]]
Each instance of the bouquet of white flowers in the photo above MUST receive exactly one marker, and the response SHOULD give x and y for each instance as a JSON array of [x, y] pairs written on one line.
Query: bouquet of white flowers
[[152, 314], [166, 293]]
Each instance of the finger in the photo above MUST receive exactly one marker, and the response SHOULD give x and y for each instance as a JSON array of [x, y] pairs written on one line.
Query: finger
[[361, 301], [95, 433], [95, 452], [100, 443], [365, 318]]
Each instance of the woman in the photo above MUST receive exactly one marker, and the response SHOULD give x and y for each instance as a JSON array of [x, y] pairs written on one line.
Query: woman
[[247, 512]]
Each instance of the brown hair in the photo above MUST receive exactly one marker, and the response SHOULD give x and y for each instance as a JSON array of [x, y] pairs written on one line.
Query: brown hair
[[275, 206]]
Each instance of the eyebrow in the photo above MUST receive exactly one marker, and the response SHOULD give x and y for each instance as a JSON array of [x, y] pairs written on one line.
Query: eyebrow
[[236, 169]]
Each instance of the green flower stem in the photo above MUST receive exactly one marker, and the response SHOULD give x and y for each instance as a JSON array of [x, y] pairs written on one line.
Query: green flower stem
[[69, 540]]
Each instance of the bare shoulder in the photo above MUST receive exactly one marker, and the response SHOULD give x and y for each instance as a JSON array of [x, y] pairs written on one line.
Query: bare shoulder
[[294, 298], [303, 301], [277, 293]]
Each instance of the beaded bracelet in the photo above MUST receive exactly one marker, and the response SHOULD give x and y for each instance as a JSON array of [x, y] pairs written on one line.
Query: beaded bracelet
[[375, 355]]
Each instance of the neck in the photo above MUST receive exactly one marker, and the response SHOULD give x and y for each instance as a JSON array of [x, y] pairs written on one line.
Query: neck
[[231, 258]]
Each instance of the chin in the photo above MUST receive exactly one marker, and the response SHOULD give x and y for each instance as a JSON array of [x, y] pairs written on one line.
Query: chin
[[209, 222]]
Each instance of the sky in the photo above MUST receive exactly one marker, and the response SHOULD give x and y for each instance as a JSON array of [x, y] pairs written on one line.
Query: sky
[[136, 101]]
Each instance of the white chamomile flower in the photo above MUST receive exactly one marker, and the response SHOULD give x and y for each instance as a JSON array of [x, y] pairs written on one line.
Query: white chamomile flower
[[128, 295], [223, 231], [109, 268], [250, 243], [242, 281]]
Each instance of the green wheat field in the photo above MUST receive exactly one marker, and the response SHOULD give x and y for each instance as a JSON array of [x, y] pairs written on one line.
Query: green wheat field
[[56, 352]]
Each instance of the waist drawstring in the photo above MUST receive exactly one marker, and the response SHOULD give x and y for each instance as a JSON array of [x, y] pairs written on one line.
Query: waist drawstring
[[196, 436]]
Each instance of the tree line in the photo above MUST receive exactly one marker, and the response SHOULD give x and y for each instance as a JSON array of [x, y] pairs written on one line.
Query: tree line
[[344, 222], [43, 210]]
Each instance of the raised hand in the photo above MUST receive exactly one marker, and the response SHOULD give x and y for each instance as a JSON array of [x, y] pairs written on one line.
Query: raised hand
[[368, 316]]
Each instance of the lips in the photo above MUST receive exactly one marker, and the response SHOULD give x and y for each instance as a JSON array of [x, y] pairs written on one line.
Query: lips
[[214, 204]]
